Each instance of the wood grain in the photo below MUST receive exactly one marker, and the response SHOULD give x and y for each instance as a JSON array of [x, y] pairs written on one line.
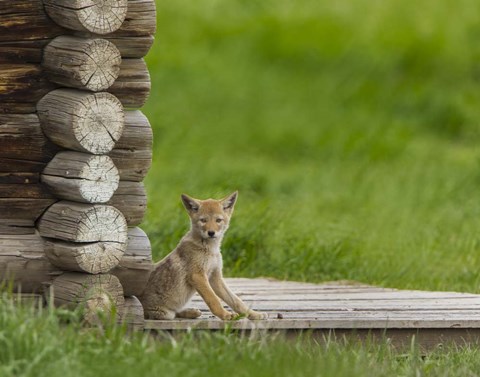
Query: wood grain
[[25, 29], [21, 138], [21, 86], [136, 264], [133, 85], [343, 310], [132, 154], [96, 16], [23, 263], [21, 205], [92, 64], [81, 177], [130, 198], [92, 257], [78, 222], [82, 121]]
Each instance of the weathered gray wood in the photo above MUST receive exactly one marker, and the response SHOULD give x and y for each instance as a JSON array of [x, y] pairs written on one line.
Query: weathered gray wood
[[18, 178], [22, 51], [21, 205], [78, 222], [27, 261], [307, 324], [133, 85], [83, 121], [96, 16], [92, 64], [137, 133], [132, 165], [27, 19], [21, 86], [133, 151], [81, 177], [24, 264], [95, 293], [30, 51], [6, 228], [93, 257], [11, 165], [130, 199], [21, 138], [23, 212], [347, 310], [300, 295], [129, 47], [140, 20], [24, 191], [132, 314], [136, 264], [24, 20], [25, 29]]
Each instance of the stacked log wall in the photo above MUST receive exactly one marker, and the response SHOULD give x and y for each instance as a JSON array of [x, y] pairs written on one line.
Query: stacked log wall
[[74, 150]]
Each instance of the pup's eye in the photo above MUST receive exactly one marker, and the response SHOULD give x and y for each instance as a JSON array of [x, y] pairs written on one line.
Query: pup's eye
[[203, 221], [219, 220]]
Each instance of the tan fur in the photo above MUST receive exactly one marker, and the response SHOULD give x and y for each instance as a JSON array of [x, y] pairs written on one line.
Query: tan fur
[[195, 265]]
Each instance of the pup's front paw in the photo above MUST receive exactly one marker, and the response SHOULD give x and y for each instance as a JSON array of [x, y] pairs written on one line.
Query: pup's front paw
[[252, 314], [225, 315]]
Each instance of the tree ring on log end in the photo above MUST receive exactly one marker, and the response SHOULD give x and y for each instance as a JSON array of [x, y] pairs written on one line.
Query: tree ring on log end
[[78, 222], [96, 16], [102, 112], [101, 179], [83, 121], [92, 64], [101, 66], [81, 177]]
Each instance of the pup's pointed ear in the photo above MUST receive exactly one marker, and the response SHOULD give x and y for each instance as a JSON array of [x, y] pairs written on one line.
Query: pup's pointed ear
[[229, 202], [191, 205]]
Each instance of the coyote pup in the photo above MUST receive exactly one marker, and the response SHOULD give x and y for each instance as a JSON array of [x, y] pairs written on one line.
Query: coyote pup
[[195, 265]]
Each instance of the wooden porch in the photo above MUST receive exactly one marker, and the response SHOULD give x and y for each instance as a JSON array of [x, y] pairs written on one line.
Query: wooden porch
[[339, 310]]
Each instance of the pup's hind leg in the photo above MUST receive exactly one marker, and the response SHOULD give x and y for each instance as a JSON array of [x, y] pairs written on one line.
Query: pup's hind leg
[[190, 313], [159, 313]]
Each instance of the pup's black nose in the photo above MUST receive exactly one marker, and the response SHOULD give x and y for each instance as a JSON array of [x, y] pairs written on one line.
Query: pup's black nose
[[211, 233]]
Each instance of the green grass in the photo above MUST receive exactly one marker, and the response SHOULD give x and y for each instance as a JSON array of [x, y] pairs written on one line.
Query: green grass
[[350, 129]]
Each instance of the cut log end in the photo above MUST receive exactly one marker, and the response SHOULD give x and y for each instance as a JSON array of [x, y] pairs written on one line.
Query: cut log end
[[102, 65], [92, 258], [101, 122], [92, 64], [96, 16], [83, 121], [76, 222], [81, 177]]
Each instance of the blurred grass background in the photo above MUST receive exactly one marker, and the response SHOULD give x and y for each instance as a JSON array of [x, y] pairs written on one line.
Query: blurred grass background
[[349, 128]]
